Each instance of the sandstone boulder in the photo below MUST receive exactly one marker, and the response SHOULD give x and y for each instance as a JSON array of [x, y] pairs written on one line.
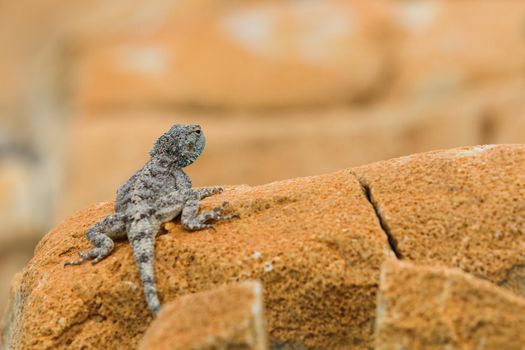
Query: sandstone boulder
[[228, 317], [314, 243], [460, 208], [441, 308]]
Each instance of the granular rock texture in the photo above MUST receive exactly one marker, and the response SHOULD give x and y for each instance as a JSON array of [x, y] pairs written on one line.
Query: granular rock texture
[[458, 208], [314, 243], [228, 317], [441, 308]]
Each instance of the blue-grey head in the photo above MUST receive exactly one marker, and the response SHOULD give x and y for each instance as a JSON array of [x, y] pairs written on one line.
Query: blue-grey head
[[183, 144]]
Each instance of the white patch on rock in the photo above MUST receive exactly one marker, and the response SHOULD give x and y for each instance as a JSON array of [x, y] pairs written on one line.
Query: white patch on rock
[[257, 307], [322, 27], [42, 282], [416, 15], [308, 29], [131, 285], [147, 60], [474, 151], [256, 255], [258, 315], [380, 311], [444, 297], [389, 252], [253, 29], [268, 266], [481, 343]]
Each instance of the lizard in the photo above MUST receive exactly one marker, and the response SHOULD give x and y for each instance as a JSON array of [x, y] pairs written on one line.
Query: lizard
[[157, 193]]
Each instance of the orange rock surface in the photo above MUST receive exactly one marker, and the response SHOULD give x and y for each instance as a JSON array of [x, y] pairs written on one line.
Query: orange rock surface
[[228, 317], [440, 308], [314, 243], [460, 208]]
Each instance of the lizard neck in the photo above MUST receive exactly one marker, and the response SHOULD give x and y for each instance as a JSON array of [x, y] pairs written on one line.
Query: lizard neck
[[163, 166], [165, 162]]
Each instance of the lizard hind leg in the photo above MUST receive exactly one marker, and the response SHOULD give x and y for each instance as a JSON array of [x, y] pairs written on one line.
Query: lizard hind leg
[[101, 235]]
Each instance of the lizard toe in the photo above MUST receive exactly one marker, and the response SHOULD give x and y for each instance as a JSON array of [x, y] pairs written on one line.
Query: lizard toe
[[228, 217], [96, 260], [83, 257]]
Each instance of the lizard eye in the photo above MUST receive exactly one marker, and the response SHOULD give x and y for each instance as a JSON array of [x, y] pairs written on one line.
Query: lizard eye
[[198, 131]]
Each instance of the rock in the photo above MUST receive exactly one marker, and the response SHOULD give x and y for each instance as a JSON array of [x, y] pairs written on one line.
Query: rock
[[228, 317], [441, 308], [11, 313], [15, 202], [314, 243], [445, 45], [241, 55], [504, 118], [460, 208], [28, 28], [13, 258]]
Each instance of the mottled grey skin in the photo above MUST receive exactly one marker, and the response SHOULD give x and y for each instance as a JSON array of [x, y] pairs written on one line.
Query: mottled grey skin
[[155, 194]]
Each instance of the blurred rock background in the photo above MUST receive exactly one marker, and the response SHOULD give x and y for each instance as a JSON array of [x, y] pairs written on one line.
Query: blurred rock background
[[281, 88]]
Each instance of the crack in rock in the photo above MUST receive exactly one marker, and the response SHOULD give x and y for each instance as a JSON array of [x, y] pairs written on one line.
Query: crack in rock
[[392, 242]]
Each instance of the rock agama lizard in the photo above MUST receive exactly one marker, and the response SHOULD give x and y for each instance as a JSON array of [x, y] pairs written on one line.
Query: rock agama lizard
[[155, 194]]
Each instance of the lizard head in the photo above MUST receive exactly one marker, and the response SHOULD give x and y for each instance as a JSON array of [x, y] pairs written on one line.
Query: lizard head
[[182, 143]]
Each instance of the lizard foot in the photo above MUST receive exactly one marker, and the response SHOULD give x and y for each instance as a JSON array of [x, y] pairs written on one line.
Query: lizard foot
[[217, 190], [203, 220], [219, 211], [96, 254]]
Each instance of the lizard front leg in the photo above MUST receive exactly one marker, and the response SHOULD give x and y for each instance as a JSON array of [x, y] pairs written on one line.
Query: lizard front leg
[[101, 235], [208, 191], [193, 222]]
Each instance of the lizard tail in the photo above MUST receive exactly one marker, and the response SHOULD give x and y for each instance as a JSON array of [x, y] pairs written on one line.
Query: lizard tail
[[142, 238]]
